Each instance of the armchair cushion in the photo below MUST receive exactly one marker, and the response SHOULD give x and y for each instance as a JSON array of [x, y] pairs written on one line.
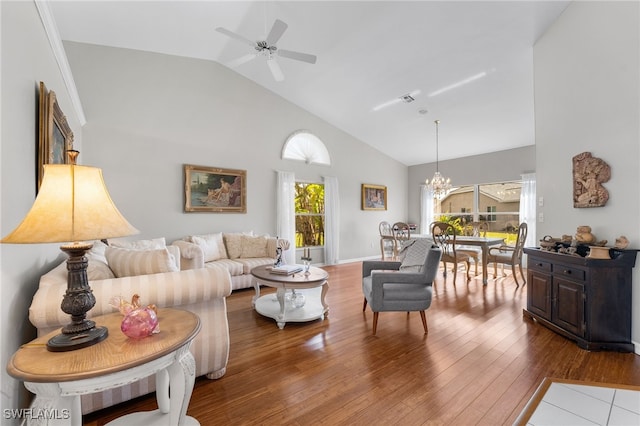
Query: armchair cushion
[[502, 254]]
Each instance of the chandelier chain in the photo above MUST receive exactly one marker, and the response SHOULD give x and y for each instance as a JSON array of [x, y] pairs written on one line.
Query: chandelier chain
[[439, 185]]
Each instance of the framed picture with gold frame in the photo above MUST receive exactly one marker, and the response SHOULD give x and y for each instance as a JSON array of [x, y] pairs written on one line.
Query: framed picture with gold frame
[[374, 197], [54, 134], [215, 190]]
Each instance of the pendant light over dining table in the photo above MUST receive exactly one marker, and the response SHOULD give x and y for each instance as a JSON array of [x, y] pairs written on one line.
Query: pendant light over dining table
[[439, 185]]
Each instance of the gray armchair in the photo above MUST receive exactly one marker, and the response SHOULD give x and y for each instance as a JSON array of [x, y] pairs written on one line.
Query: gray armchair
[[392, 286]]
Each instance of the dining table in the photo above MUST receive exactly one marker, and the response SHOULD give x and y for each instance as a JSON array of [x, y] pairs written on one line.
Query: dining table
[[485, 243]]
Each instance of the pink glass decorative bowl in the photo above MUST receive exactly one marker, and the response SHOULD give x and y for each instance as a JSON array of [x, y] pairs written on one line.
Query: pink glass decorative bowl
[[139, 323]]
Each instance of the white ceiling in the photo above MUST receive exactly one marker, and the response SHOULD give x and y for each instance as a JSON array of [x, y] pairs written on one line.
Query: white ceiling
[[369, 53]]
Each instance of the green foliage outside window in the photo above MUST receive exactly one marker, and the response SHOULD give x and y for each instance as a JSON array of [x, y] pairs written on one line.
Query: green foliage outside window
[[309, 204], [456, 222]]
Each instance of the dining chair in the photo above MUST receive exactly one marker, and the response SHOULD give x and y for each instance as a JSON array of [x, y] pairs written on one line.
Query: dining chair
[[387, 240], [510, 255], [401, 233], [402, 286], [444, 236], [474, 229]]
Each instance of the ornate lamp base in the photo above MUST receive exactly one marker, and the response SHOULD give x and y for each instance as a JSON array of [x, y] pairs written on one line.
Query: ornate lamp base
[[70, 342], [77, 301]]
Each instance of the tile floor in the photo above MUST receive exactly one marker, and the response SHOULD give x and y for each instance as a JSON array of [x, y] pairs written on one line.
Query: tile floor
[[575, 404]]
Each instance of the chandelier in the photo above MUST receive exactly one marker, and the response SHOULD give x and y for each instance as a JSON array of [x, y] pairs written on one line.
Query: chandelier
[[439, 185]]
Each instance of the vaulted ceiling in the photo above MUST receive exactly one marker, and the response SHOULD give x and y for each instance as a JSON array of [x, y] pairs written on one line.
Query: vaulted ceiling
[[467, 64]]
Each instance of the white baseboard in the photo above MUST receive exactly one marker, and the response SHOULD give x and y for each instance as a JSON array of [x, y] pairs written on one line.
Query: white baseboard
[[358, 259]]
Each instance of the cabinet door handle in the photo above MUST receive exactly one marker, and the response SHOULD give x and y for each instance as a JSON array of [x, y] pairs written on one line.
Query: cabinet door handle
[[567, 271], [539, 264]]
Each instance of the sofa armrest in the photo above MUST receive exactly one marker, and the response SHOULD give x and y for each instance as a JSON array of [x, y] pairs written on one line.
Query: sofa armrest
[[191, 255], [168, 289]]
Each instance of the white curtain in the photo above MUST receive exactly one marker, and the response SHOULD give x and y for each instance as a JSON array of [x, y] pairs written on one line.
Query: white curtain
[[285, 213], [426, 209], [331, 220], [528, 207]]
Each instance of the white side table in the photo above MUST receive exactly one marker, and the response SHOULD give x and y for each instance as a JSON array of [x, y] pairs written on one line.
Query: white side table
[[276, 307], [58, 379]]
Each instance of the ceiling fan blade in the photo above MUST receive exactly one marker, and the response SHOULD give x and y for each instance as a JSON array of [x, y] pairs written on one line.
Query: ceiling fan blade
[[276, 32], [241, 60], [236, 36], [275, 69], [305, 57]]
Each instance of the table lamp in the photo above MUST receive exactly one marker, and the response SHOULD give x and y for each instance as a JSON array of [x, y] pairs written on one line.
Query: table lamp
[[73, 206]]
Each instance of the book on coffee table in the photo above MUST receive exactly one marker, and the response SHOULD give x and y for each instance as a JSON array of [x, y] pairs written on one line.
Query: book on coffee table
[[286, 269]]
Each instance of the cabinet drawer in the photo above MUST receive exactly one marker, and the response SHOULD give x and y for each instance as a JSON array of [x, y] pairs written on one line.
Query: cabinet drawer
[[539, 265], [569, 272]]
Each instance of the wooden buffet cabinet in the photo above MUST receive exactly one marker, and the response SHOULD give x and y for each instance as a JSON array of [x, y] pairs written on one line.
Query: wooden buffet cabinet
[[586, 300]]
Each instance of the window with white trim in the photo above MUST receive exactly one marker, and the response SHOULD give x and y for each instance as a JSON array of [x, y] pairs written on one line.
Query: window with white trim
[[498, 204], [309, 211]]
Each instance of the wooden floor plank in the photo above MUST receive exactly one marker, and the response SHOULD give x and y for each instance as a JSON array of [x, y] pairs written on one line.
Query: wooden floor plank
[[479, 364]]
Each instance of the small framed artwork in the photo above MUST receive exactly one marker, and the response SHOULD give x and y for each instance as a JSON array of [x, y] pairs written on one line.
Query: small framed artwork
[[374, 197], [215, 190], [55, 137]]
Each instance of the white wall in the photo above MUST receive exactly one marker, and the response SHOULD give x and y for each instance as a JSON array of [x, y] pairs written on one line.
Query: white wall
[[148, 114], [26, 59], [587, 99], [498, 166]]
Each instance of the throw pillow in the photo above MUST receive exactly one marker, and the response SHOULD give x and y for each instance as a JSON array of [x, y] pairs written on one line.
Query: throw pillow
[[98, 269], [128, 263], [212, 246], [233, 243], [153, 244], [253, 246], [97, 251], [416, 255]]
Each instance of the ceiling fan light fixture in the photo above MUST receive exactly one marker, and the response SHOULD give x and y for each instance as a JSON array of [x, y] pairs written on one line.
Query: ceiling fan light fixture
[[268, 49]]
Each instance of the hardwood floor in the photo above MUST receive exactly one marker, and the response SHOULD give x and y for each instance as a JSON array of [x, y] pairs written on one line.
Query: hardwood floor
[[479, 364]]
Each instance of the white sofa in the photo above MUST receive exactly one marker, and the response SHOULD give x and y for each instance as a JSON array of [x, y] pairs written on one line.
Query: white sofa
[[237, 252], [202, 291]]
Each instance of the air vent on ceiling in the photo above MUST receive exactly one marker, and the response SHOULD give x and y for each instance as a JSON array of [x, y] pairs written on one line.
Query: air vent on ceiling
[[407, 98]]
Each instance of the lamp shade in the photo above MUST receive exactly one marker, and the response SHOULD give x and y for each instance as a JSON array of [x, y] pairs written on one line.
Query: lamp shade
[[73, 205]]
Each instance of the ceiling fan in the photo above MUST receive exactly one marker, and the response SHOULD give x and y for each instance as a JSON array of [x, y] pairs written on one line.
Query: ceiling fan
[[268, 49]]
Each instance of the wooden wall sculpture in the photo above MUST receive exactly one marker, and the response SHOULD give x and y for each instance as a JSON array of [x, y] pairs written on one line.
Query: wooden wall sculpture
[[589, 173]]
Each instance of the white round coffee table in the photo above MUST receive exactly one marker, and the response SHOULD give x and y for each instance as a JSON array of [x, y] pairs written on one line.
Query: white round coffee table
[[313, 286]]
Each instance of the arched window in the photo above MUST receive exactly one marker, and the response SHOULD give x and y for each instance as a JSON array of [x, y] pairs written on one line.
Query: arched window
[[305, 146]]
